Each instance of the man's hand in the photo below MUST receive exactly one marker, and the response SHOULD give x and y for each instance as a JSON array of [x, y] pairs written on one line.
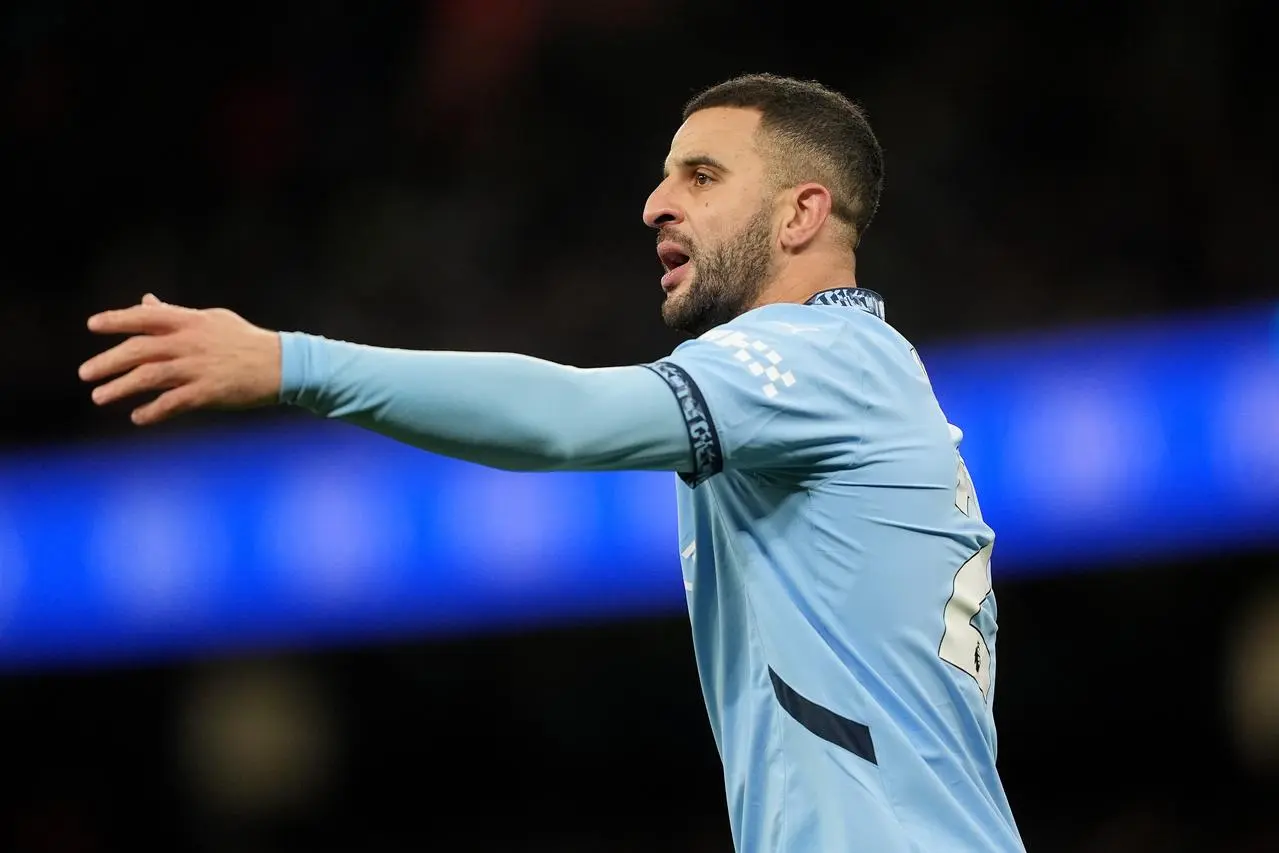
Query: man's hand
[[198, 359]]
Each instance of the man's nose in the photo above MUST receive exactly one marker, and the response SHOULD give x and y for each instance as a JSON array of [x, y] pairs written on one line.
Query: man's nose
[[660, 209]]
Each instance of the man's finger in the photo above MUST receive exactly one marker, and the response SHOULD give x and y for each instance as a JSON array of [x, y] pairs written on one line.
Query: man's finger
[[140, 319], [184, 398], [154, 376], [138, 349]]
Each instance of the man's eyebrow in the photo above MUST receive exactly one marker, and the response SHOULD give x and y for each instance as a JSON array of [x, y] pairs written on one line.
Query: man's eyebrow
[[692, 161]]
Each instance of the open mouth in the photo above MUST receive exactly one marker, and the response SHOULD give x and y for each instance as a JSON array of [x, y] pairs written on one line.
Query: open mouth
[[671, 256]]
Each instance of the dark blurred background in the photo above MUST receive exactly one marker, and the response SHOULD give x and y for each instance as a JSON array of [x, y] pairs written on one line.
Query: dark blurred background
[[469, 174]]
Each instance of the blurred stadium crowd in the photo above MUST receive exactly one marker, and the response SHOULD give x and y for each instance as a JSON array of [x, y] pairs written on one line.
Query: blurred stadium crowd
[[469, 174]]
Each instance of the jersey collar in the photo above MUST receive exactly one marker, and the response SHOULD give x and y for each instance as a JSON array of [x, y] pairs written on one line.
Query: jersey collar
[[850, 297]]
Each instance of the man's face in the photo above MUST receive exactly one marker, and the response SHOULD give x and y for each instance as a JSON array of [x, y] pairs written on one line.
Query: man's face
[[714, 221]]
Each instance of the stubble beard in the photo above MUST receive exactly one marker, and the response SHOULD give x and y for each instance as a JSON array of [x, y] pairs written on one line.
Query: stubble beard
[[727, 279]]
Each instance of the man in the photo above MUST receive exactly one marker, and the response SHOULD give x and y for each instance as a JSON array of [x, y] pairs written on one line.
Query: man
[[836, 561]]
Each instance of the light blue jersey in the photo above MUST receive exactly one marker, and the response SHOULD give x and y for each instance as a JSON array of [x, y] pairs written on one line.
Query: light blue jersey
[[838, 578], [835, 558]]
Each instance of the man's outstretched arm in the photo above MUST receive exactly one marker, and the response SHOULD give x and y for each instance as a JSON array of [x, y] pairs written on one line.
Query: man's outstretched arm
[[506, 411], [498, 409]]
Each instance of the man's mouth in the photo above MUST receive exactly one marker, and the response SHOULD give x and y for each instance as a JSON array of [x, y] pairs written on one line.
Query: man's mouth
[[675, 261]]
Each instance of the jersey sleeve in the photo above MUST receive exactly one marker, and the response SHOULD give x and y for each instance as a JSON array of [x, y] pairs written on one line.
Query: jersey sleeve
[[498, 409], [764, 394]]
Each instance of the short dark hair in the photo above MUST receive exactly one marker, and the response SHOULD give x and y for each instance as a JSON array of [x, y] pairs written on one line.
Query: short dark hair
[[816, 133]]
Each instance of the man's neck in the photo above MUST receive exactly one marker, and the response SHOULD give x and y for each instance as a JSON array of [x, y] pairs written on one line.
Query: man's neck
[[796, 284]]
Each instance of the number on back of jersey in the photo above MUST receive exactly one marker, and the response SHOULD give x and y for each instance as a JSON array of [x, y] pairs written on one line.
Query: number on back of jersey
[[962, 644]]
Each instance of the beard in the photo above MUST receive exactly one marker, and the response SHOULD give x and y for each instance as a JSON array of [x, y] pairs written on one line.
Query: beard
[[726, 281]]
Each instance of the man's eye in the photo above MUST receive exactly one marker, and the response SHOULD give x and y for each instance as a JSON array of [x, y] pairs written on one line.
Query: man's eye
[[702, 179]]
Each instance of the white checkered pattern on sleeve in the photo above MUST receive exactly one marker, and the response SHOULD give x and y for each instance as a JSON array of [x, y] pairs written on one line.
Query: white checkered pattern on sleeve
[[760, 359]]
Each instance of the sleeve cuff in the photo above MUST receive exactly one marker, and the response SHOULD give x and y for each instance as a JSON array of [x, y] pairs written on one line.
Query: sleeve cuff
[[708, 453], [303, 367]]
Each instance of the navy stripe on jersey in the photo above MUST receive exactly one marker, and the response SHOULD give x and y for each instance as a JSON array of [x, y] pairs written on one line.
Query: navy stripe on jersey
[[708, 455], [827, 725]]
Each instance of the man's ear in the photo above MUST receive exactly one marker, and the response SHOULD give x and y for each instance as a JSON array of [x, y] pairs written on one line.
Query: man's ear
[[807, 209]]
